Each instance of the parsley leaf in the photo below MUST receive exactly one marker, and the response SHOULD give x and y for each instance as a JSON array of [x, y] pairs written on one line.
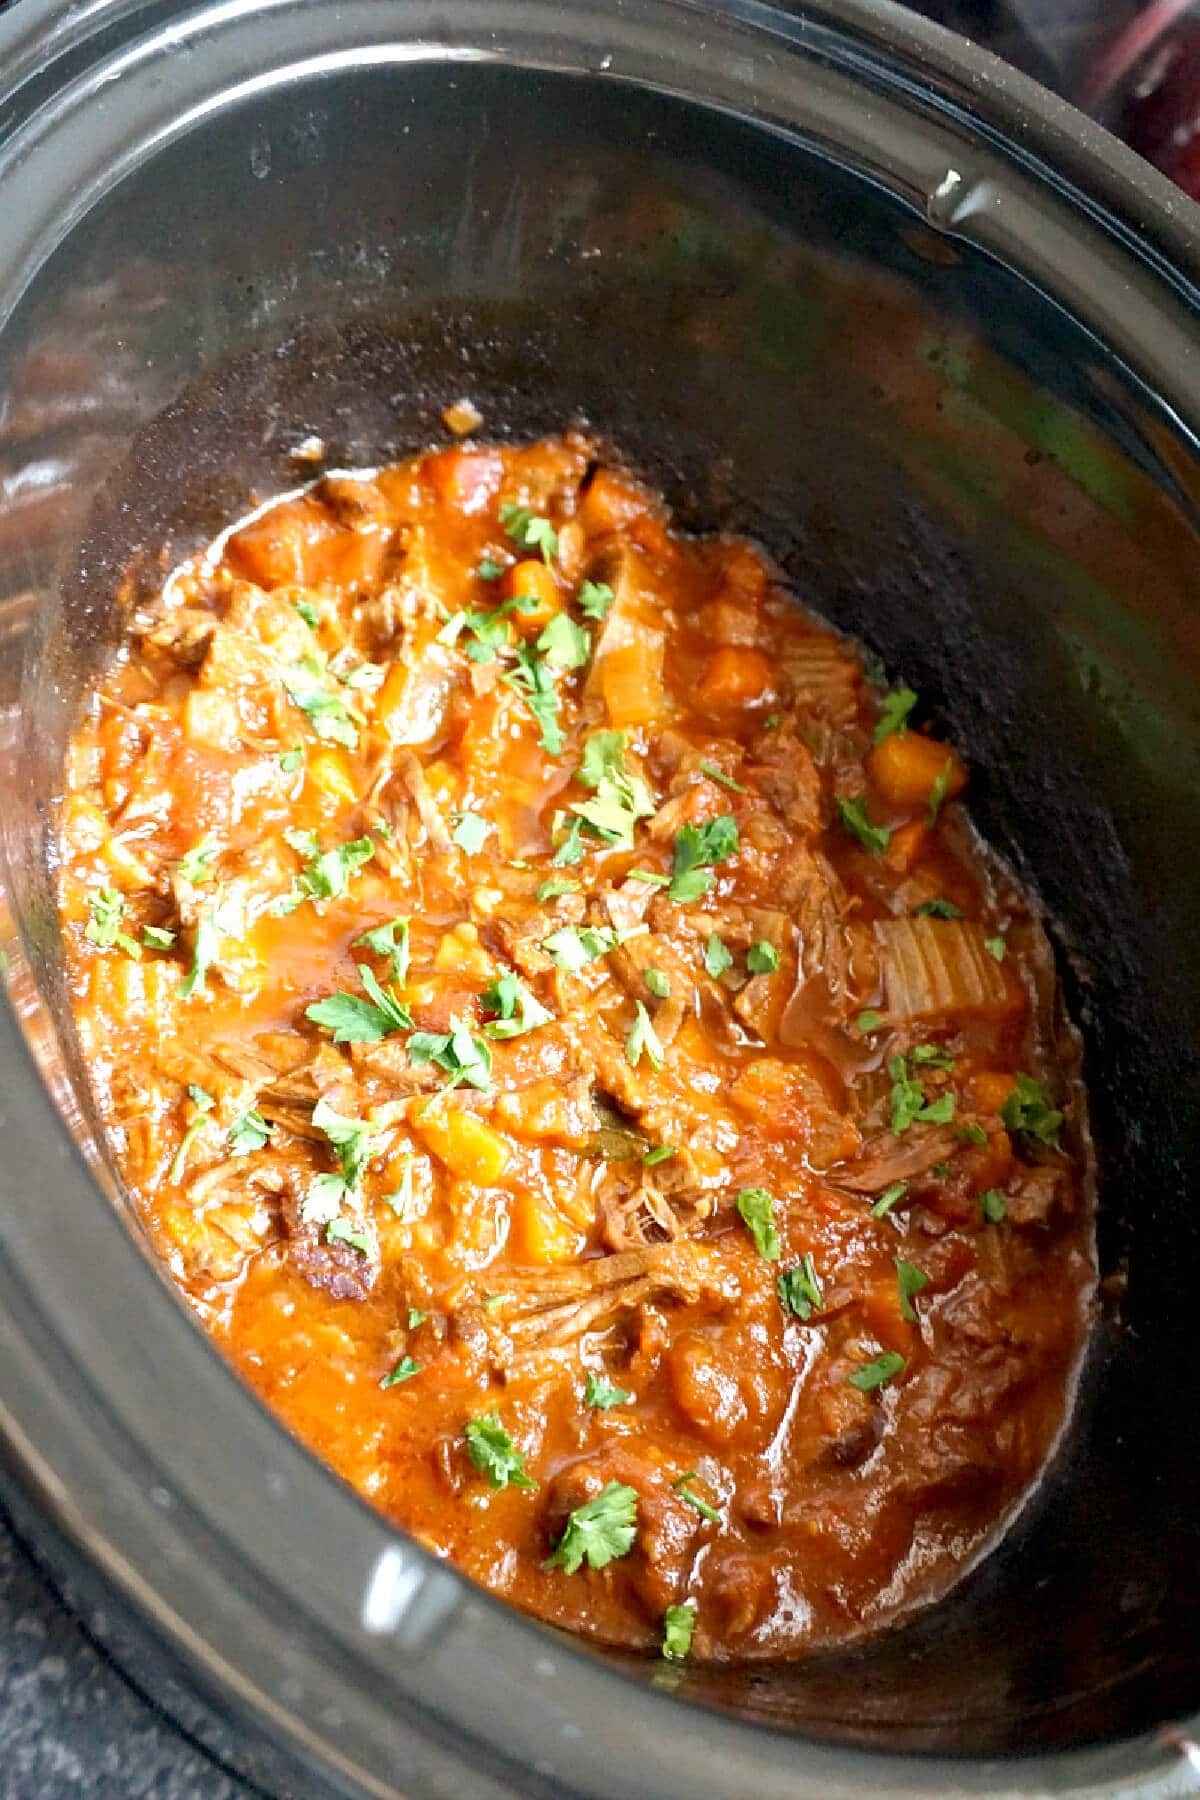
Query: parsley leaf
[[658, 983], [572, 848], [462, 1055], [202, 1103], [909, 1103], [104, 926], [888, 1198], [716, 957], [603, 754], [331, 719], [248, 1132], [308, 613], [993, 1205], [799, 1290], [470, 832], [853, 813], [223, 917], [661, 1153], [517, 1010], [996, 947], [1026, 1110], [327, 873], [530, 530], [291, 760], [762, 958], [756, 1208], [345, 1231], [489, 569], [416, 1317], [356, 1021], [642, 1041], [404, 1370], [973, 1134], [494, 1453], [572, 947], [938, 791], [893, 715], [534, 682], [554, 885], [599, 1531], [719, 775], [869, 1020], [391, 941], [695, 1501], [351, 1141], [564, 644], [157, 937], [595, 598], [937, 909], [697, 849], [196, 866], [622, 797], [679, 1624], [876, 1373], [936, 1056], [910, 1280], [601, 1393]]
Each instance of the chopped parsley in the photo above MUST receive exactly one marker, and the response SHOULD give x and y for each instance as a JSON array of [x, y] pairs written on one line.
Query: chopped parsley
[[939, 790], [291, 760], [249, 1132], [799, 1290], [489, 569], [554, 885], [488, 629], [661, 1153], [679, 1624], [196, 867], [352, 672], [658, 983], [853, 814], [883, 1206], [909, 1103], [621, 796], [571, 847], [719, 775], [351, 1141], [354, 1020], [533, 680], [517, 1010], [223, 917], [762, 958], [934, 1056], [157, 937], [695, 1501], [893, 715], [1026, 1111], [390, 941], [470, 832], [869, 1021], [941, 908], [308, 613], [326, 875], [404, 1370], [909, 1280], [202, 1103], [416, 1317], [529, 530], [756, 1209], [104, 927], [598, 1532], [572, 947], [345, 1231], [595, 599], [972, 1134], [642, 1041], [463, 1056], [698, 848], [331, 719], [652, 877], [494, 1453], [993, 1205], [564, 644], [996, 948], [877, 1373], [601, 1393], [716, 957]]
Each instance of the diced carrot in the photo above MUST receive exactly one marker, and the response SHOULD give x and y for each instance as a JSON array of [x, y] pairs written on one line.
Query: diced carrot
[[464, 480], [907, 846], [274, 550], [905, 767], [331, 772], [631, 682], [735, 677], [533, 580], [990, 1088], [610, 502], [990, 1164], [543, 1112], [466, 1144], [538, 1234], [461, 951], [881, 1312]]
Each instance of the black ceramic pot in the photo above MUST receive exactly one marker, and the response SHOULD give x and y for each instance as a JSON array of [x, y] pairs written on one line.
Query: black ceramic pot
[[839, 280]]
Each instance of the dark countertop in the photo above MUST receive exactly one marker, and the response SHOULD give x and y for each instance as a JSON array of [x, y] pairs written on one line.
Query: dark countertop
[[70, 1723]]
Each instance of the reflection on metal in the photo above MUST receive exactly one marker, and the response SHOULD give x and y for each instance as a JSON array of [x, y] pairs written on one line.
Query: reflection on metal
[[406, 1601]]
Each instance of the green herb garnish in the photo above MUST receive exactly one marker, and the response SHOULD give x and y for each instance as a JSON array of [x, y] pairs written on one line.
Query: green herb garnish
[[494, 1453], [853, 813], [104, 927], [910, 1280], [598, 1532], [893, 715], [698, 848], [642, 1041], [1026, 1111], [517, 1009], [756, 1209], [993, 1205], [530, 530], [888, 1198], [762, 958], [799, 1290], [876, 1373], [679, 1624], [202, 1103], [601, 1393], [404, 1370], [249, 1132], [695, 1501], [595, 598]]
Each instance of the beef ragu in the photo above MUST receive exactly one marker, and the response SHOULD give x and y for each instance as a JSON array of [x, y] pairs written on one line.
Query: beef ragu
[[557, 1025]]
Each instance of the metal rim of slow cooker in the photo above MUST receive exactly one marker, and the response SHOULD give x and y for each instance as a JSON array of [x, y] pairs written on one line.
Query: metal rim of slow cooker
[[101, 1482]]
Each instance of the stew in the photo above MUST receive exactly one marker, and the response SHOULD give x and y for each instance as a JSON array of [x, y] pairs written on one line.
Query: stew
[[557, 1024]]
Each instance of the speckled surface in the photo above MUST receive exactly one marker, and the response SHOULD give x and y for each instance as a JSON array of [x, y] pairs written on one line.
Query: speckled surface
[[70, 1725]]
